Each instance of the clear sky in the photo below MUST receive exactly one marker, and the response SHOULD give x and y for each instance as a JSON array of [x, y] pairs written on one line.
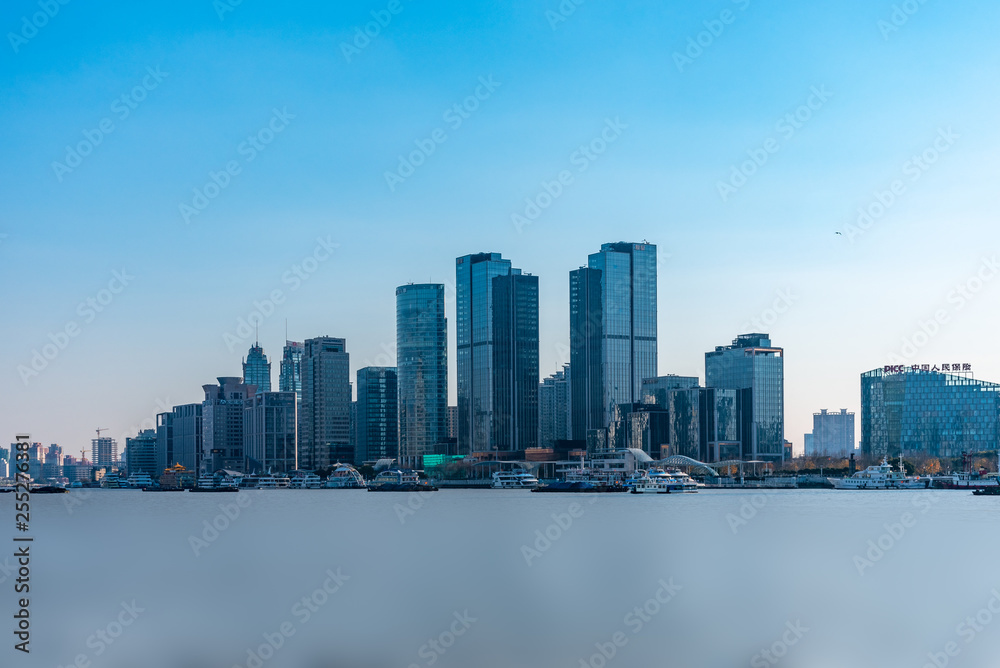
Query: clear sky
[[114, 115]]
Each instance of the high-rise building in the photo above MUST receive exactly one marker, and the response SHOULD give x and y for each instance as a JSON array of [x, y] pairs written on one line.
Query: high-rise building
[[290, 376], [222, 429], [612, 332], [497, 331], [453, 422], [832, 434], [932, 411], [256, 369], [270, 428], [654, 390], [378, 412], [179, 438], [140, 454], [104, 451], [422, 368], [554, 414], [755, 368], [53, 466], [325, 418]]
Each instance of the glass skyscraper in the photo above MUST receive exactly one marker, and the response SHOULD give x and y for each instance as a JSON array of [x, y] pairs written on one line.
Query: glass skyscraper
[[290, 374], [376, 425], [497, 332], [269, 432], [612, 332], [325, 418], [756, 369], [179, 438], [931, 412], [222, 430], [256, 369], [421, 368]]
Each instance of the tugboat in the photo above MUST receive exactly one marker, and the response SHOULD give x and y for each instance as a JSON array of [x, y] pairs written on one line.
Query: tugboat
[[987, 491]]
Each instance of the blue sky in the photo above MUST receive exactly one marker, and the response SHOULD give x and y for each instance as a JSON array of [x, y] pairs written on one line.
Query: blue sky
[[854, 298]]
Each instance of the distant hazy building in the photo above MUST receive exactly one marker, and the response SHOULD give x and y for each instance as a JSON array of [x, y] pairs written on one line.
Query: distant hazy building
[[612, 332], [270, 427], [256, 369], [222, 428], [140, 454], [179, 438], [554, 415], [104, 451], [325, 418], [928, 411], [832, 434], [755, 368], [497, 332], [290, 376], [422, 368], [52, 468], [378, 414]]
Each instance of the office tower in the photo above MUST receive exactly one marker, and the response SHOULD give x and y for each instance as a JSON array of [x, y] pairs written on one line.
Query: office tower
[[654, 390], [290, 376], [140, 454], [703, 423], [222, 428], [256, 369], [422, 369], [497, 331], [104, 451], [377, 414], [612, 332], [936, 411], [179, 438], [554, 414], [270, 428], [325, 418], [453, 423], [832, 434], [753, 367]]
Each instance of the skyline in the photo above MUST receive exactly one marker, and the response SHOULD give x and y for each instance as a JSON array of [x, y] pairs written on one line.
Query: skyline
[[318, 190]]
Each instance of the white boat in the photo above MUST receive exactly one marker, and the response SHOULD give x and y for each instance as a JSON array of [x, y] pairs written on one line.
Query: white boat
[[266, 481], [345, 477], [881, 477], [282, 481], [306, 481], [114, 482], [513, 480], [140, 480], [658, 481]]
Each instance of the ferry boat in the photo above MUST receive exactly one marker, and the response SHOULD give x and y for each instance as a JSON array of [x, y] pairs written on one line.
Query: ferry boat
[[397, 480], [658, 481], [513, 480], [345, 477], [266, 481], [881, 476], [306, 481], [140, 481], [114, 482]]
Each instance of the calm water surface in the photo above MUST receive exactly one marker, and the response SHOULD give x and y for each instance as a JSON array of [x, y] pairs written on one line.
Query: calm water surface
[[510, 578]]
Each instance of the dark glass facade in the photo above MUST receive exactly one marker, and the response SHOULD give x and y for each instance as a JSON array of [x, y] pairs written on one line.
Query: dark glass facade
[[755, 368], [497, 350], [269, 432], [325, 416], [613, 311], [377, 433], [290, 375], [422, 368], [938, 414], [140, 454], [256, 369], [179, 438], [222, 431]]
